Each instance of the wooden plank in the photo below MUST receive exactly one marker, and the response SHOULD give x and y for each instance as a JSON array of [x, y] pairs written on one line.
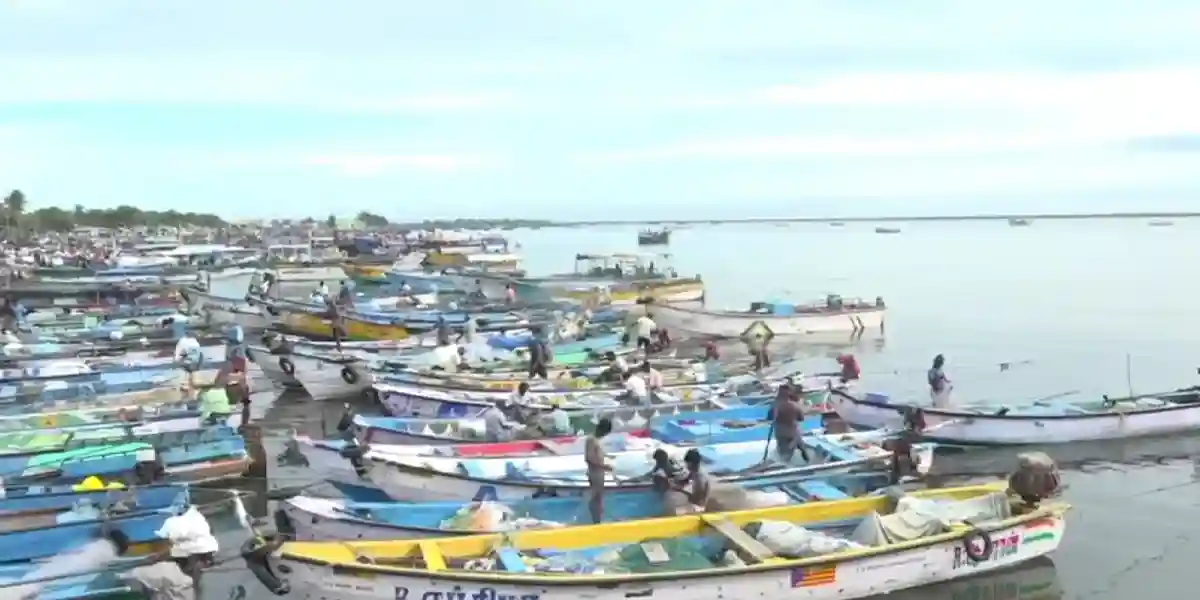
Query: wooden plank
[[750, 549], [655, 553], [511, 560], [434, 559]]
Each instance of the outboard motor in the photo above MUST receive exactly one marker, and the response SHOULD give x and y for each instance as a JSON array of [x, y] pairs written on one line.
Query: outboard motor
[[1036, 478]]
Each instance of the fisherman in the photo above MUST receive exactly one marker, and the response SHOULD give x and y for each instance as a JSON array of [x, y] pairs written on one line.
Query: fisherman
[[787, 417], [470, 329], [345, 295], [215, 407], [496, 426], [538, 357], [644, 327], [557, 422], [714, 372], [463, 365], [758, 349], [654, 377], [190, 356], [850, 369], [598, 467], [510, 294], [662, 341], [443, 331], [939, 385], [698, 485], [322, 290], [636, 390], [520, 396]]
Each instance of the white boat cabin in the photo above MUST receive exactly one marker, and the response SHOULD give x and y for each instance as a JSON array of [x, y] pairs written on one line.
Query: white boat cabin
[[624, 265]]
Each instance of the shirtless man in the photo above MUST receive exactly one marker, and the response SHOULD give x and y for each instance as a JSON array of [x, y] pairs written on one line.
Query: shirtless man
[[597, 468]]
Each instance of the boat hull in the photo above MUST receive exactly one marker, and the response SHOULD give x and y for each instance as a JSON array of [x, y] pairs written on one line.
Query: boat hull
[[325, 380], [735, 324], [975, 428], [861, 577]]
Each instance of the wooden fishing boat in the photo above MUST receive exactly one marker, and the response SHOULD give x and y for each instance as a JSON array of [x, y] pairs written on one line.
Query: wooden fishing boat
[[310, 518], [34, 394], [469, 428], [1044, 422], [431, 478], [31, 441], [650, 237], [865, 550], [835, 314]]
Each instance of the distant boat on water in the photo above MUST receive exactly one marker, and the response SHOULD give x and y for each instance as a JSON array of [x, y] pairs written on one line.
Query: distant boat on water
[[887, 230], [837, 224], [1160, 223], [1018, 222]]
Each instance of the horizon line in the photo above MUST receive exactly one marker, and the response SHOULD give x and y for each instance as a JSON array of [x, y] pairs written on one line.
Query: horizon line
[[891, 219]]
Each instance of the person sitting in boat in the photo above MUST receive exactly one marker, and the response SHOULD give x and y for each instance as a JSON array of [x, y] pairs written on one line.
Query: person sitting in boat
[[322, 290], [667, 473], [698, 486], [189, 355], [345, 295], [496, 425], [662, 340], [939, 384], [636, 390], [850, 369], [463, 365], [556, 422], [405, 289], [477, 293], [653, 377]]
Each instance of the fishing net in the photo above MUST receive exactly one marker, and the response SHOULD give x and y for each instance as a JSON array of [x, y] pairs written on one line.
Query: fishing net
[[654, 556]]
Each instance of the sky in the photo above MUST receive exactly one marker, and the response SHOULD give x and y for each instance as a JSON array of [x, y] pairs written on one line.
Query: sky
[[566, 109]]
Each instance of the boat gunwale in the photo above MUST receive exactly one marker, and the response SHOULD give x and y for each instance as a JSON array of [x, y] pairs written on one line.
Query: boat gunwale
[[1055, 511], [765, 317]]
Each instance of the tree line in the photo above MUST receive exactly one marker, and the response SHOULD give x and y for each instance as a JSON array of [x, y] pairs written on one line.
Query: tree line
[[53, 218]]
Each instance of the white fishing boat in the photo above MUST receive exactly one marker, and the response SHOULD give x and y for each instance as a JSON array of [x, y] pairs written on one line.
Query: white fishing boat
[[885, 545], [1042, 422], [331, 376], [833, 315], [222, 310], [432, 478]]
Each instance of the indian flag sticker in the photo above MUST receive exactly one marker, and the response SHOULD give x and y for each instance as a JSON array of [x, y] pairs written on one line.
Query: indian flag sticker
[[1039, 530]]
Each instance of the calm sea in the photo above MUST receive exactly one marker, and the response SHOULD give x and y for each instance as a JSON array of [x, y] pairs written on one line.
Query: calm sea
[[1059, 308]]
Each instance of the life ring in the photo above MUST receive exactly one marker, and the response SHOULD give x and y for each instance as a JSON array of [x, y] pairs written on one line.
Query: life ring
[[286, 366], [255, 554], [982, 551], [349, 376]]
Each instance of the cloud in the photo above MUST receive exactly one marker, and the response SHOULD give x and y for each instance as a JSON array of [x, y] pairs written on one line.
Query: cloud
[[260, 81], [368, 165]]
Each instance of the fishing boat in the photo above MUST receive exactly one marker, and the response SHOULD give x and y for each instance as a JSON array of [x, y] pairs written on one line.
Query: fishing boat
[[772, 318], [32, 441], [310, 518], [1042, 422], [470, 428], [887, 230], [431, 478], [650, 237], [853, 548], [1018, 223], [223, 310]]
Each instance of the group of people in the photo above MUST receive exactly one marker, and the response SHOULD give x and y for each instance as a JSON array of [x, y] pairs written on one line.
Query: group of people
[[231, 380], [511, 417]]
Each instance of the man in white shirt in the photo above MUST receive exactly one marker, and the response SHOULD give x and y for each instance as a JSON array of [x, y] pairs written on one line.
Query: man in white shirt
[[189, 355], [496, 426], [635, 389], [644, 327]]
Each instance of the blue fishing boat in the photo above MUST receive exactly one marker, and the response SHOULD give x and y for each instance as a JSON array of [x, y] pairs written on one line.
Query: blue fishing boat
[[92, 584], [598, 343], [737, 424], [324, 518], [41, 499], [41, 392], [26, 537], [78, 372], [185, 456]]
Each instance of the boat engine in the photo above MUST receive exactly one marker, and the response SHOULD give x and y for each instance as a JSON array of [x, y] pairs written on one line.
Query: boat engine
[[1036, 478]]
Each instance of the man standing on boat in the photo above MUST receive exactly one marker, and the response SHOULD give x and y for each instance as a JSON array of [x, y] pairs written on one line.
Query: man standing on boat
[[539, 356], [787, 416], [939, 385], [598, 467], [644, 326], [190, 356]]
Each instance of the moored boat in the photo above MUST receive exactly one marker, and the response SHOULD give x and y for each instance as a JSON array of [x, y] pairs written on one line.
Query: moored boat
[[820, 550], [1042, 422], [835, 314]]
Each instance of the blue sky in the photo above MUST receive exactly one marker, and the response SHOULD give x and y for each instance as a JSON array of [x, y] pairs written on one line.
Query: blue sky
[[615, 109]]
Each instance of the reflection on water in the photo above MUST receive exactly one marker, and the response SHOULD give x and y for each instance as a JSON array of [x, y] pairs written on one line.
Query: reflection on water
[[1035, 580]]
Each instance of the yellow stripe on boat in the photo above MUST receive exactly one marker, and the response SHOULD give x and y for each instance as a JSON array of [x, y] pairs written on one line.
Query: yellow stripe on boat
[[367, 558], [680, 290], [315, 325]]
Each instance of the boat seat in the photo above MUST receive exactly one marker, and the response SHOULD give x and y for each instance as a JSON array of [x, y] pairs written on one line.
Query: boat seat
[[511, 560], [750, 549], [821, 490], [834, 451]]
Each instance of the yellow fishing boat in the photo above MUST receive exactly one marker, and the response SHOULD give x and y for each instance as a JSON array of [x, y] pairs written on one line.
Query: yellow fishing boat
[[356, 329], [374, 272], [855, 548], [494, 261]]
